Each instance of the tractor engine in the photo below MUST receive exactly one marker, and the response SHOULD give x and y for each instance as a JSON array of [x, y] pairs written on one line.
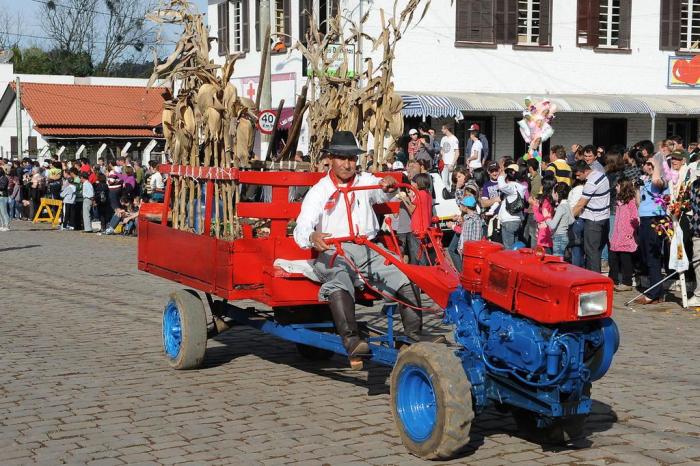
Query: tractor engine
[[536, 330]]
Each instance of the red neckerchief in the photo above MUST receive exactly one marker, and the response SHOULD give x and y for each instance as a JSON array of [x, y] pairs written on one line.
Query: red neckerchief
[[333, 199]]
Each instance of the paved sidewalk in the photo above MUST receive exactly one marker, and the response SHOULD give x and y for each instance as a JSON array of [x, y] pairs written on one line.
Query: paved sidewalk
[[82, 380]]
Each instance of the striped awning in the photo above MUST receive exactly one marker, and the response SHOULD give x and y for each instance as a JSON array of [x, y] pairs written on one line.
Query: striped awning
[[425, 105], [579, 103]]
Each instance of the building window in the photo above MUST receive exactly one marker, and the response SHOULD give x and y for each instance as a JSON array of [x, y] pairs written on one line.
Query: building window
[[609, 31], [604, 24], [238, 26], [491, 22], [280, 24], [528, 22], [690, 25]]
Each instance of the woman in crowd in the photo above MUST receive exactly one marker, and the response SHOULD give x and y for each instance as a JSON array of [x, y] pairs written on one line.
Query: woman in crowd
[[460, 176], [4, 197], [650, 212], [563, 218], [576, 228], [623, 241], [543, 210], [510, 214]]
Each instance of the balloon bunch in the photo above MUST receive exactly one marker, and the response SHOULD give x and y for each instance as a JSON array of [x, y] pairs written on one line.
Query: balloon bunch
[[535, 126], [664, 227]]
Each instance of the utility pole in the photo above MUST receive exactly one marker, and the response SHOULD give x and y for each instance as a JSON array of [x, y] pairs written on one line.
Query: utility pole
[[266, 91], [18, 111]]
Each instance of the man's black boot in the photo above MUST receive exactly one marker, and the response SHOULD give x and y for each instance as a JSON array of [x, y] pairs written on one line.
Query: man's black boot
[[411, 319], [343, 312]]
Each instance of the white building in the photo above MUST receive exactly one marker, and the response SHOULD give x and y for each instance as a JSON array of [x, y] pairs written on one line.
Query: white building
[[619, 71], [116, 128]]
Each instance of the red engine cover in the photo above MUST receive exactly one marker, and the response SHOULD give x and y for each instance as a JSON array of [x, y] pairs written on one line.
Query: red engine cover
[[543, 288]]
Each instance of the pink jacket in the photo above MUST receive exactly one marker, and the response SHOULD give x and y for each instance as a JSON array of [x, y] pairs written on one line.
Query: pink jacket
[[625, 227], [544, 234]]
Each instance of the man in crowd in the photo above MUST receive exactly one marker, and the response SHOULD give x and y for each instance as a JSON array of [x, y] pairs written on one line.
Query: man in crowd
[[475, 154], [449, 149], [558, 165], [594, 209], [591, 158], [482, 139], [323, 215]]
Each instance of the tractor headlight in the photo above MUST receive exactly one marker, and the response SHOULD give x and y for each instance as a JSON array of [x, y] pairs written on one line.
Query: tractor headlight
[[592, 303]]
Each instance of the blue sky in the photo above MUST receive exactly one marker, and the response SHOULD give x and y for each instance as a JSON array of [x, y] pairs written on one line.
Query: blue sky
[[31, 20]]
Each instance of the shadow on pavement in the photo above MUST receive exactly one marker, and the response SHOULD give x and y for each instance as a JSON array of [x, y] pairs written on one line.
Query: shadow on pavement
[[14, 248]]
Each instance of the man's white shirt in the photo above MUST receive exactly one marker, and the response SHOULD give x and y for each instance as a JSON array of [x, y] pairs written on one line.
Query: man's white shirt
[[449, 144], [315, 217], [476, 147]]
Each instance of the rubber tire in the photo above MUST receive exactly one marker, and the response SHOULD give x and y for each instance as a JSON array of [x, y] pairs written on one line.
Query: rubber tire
[[313, 353], [453, 400], [193, 322]]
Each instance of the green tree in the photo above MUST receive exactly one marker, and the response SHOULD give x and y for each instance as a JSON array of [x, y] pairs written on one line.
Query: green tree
[[32, 60], [76, 64]]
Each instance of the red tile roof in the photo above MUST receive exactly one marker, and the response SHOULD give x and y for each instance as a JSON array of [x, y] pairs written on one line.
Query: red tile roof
[[85, 110]]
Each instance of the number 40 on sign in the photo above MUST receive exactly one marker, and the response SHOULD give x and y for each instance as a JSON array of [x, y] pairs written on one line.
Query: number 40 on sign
[[266, 121]]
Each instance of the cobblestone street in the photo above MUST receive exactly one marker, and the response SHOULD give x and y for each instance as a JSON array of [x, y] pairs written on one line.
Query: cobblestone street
[[82, 380]]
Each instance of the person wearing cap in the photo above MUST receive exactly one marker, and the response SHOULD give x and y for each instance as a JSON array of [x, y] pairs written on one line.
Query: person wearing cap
[[482, 139], [472, 224], [474, 155], [510, 219], [324, 215], [414, 143]]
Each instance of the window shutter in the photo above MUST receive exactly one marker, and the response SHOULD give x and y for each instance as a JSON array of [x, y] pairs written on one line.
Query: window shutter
[[587, 22], [545, 22], [245, 26], [593, 22], [474, 21], [32, 145], [258, 39], [670, 28], [287, 23], [625, 19], [13, 146], [505, 17], [222, 29], [305, 9]]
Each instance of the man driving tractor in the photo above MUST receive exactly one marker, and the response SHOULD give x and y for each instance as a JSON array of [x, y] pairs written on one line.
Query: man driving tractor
[[324, 215]]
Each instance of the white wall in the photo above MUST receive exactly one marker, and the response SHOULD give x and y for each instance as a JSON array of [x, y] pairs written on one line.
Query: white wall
[[8, 129]]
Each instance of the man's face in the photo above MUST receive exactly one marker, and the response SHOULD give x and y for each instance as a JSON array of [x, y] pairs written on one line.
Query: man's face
[[343, 167], [493, 174], [589, 157], [444, 130], [413, 169], [552, 156], [581, 176]]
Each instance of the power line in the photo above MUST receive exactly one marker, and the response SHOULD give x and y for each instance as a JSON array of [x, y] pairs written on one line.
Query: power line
[[56, 4], [33, 36]]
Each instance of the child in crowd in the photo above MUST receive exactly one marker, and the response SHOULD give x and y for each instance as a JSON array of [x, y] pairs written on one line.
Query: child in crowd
[[543, 211], [623, 242], [421, 209], [472, 224], [68, 196], [559, 224]]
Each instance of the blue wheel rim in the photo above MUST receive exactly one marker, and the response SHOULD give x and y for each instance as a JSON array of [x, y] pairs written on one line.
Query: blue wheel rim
[[416, 403], [172, 330]]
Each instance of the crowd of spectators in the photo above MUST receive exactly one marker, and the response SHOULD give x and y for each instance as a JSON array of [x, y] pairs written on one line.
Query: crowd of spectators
[[108, 192], [609, 210]]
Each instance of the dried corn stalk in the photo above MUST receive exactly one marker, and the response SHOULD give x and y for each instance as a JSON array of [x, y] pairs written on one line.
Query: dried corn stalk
[[338, 102], [206, 117]]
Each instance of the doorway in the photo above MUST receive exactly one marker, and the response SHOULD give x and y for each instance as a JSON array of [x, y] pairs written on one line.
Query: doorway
[[608, 132], [687, 128]]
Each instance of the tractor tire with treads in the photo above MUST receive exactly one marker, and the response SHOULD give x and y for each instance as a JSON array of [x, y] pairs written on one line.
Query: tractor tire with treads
[[431, 401]]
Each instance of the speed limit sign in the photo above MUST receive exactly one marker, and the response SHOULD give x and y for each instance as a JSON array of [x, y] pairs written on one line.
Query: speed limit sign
[[266, 121]]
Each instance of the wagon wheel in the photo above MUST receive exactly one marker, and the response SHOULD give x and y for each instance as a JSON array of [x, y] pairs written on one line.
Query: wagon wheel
[[184, 330], [431, 401]]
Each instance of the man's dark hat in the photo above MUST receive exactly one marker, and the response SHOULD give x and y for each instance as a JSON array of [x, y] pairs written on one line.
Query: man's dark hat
[[343, 144]]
